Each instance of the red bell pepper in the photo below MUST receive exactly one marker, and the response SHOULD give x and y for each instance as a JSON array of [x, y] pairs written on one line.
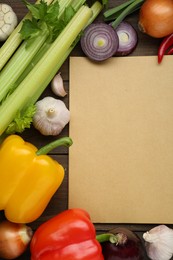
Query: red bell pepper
[[164, 47], [68, 236]]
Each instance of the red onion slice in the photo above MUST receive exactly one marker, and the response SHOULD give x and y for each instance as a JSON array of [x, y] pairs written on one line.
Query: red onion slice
[[127, 39], [99, 41]]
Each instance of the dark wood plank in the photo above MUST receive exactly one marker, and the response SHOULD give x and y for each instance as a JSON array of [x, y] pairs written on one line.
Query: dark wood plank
[[146, 46]]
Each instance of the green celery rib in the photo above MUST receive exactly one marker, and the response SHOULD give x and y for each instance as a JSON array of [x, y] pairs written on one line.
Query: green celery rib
[[76, 5], [13, 41], [17, 64], [96, 9], [36, 78], [21, 59]]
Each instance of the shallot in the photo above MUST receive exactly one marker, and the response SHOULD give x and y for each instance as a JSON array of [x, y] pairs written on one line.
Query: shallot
[[14, 239]]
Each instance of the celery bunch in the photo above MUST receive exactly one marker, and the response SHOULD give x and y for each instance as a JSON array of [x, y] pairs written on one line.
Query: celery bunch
[[47, 39]]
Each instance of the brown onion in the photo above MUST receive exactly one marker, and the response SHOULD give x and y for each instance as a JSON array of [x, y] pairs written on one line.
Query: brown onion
[[156, 18], [14, 239]]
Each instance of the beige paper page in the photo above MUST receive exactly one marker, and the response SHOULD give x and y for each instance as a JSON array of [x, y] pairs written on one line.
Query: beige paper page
[[121, 161]]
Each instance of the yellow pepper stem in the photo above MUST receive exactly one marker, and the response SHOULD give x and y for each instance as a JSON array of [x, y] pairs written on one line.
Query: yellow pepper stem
[[65, 141]]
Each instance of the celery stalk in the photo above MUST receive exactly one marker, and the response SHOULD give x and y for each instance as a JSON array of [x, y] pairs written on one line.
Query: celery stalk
[[76, 4], [22, 58], [14, 40], [17, 64], [30, 85], [96, 9]]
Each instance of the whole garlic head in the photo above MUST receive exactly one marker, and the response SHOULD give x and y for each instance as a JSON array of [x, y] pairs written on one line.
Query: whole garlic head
[[8, 21], [159, 243], [51, 116]]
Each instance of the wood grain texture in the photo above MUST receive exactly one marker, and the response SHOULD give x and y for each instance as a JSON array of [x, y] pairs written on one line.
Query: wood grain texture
[[146, 46]]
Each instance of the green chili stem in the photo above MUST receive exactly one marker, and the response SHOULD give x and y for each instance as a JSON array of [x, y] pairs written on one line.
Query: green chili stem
[[126, 11], [107, 237], [65, 141]]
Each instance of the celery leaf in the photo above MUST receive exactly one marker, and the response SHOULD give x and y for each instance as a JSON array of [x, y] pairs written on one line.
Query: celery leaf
[[52, 13], [69, 12], [44, 17], [30, 29], [21, 121], [38, 11]]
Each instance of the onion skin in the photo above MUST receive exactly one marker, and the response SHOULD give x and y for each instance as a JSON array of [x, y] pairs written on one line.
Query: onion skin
[[14, 239], [129, 249], [156, 18]]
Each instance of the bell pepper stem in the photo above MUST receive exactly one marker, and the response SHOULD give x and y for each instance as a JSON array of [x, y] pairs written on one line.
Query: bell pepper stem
[[65, 141]]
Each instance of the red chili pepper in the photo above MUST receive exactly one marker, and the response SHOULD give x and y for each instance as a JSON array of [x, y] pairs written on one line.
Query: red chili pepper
[[164, 46], [170, 51], [68, 236]]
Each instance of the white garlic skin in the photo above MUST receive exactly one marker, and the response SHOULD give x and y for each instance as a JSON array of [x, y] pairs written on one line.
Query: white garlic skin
[[51, 116], [159, 243], [57, 86], [8, 21]]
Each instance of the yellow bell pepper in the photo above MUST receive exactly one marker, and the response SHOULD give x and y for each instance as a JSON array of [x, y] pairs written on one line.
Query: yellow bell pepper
[[28, 178]]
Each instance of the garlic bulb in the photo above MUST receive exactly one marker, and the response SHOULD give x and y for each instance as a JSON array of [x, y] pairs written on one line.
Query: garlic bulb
[[57, 86], [8, 21], [51, 116], [159, 243]]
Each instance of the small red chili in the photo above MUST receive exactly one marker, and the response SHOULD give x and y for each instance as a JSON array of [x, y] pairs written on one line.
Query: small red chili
[[164, 47], [170, 51]]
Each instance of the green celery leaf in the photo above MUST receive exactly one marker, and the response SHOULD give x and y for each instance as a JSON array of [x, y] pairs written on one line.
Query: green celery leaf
[[52, 13], [29, 29], [22, 121], [60, 24], [44, 17], [37, 10], [68, 14]]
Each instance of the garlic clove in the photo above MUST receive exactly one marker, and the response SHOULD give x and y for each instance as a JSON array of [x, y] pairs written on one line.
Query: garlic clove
[[159, 243], [51, 116], [57, 86]]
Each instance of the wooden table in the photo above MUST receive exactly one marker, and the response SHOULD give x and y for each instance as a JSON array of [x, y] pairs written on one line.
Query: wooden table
[[146, 46]]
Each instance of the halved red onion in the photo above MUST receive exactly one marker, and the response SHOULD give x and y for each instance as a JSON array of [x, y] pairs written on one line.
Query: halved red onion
[[99, 41], [128, 39]]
